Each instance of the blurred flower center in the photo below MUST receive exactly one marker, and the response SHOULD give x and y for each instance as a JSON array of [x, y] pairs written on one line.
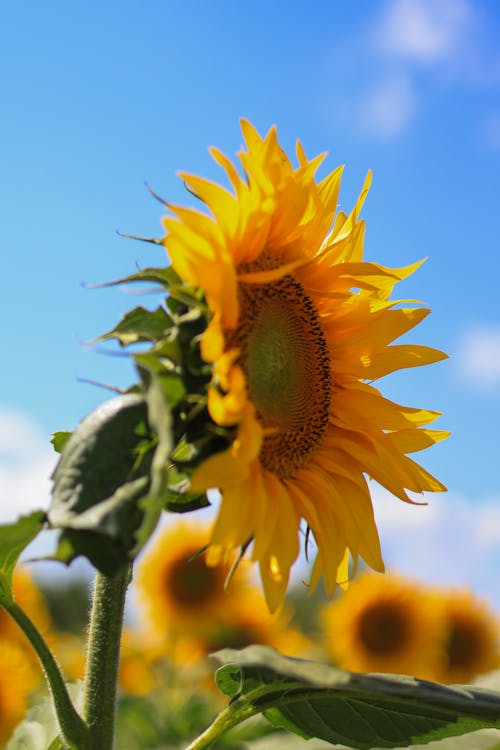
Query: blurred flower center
[[285, 356], [383, 629], [192, 583], [464, 645]]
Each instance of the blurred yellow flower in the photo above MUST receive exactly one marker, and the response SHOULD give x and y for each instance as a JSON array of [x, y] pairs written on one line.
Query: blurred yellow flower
[[176, 587], [187, 608], [299, 325], [247, 621], [470, 642], [383, 624], [17, 680]]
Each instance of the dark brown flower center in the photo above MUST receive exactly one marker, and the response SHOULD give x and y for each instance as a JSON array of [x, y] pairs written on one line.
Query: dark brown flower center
[[464, 645], [192, 583], [383, 629], [285, 357]]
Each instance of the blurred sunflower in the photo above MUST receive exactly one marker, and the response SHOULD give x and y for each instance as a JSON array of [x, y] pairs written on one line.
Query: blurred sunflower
[[470, 643], [187, 608], [248, 621], [298, 324], [383, 624], [17, 680], [176, 587]]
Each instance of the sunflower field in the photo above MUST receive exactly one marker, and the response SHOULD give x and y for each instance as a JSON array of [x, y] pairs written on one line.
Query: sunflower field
[[256, 398]]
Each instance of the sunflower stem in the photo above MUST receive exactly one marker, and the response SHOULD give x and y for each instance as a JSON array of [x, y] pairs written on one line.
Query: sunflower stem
[[227, 719], [72, 726], [103, 657]]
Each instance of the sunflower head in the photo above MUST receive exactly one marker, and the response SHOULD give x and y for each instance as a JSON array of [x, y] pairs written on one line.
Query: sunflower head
[[383, 624], [299, 326], [470, 641], [177, 588], [273, 334]]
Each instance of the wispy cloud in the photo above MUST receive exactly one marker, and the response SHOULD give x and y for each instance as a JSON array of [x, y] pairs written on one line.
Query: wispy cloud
[[451, 541], [478, 355], [424, 31], [410, 48], [388, 108]]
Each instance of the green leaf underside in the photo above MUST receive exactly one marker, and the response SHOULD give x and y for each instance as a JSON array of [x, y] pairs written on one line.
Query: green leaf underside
[[14, 538], [98, 483], [361, 711]]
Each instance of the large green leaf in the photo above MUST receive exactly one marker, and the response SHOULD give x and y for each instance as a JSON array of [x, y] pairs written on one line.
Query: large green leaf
[[103, 472], [360, 711], [14, 538]]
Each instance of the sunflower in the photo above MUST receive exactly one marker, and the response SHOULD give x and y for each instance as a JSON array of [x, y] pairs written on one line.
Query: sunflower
[[176, 587], [17, 680], [470, 643], [247, 621], [383, 624], [299, 327]]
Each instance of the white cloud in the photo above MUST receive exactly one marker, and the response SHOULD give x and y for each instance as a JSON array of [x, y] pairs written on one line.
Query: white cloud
[[389, 107], [413, 47], [478, 355], [424, 31], [451, 541], [26, 462]]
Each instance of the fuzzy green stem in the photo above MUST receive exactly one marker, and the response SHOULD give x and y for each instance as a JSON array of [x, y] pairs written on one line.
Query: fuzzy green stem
[[72, 726], [226, 720], [103, 657]]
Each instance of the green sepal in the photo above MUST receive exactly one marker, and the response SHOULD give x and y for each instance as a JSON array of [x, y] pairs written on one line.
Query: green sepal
[[361, 711], [139, 324], [59, 440], [103, 473], [14, 538], [166, 277]]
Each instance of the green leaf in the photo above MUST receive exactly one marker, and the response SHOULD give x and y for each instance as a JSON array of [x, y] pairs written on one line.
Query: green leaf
[[139, 324], [102, 474], [360, 711], [59, 440], [163, 276], [14, 538]]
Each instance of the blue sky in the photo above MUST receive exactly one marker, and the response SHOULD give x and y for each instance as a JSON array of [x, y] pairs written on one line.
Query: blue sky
[[100, 97]]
